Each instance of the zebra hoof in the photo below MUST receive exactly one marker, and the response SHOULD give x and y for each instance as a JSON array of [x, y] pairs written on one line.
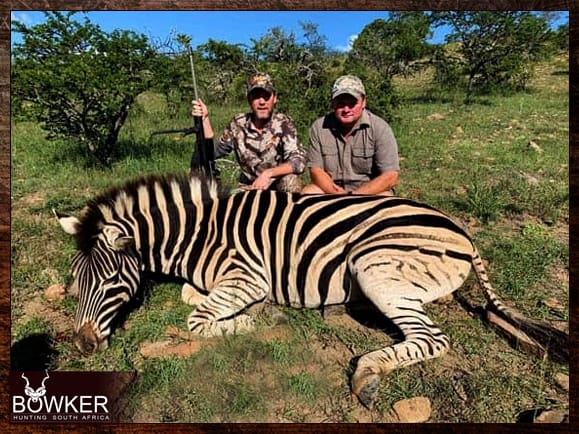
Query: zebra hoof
[[365, 387]]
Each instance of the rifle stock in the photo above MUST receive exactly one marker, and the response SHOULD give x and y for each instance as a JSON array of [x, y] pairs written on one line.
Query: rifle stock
[[203, 157]]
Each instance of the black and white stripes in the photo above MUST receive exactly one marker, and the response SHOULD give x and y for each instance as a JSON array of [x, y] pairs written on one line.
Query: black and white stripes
[[306, 251]]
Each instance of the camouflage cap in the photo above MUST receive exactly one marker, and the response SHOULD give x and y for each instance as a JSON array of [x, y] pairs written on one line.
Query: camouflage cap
[[349, 84], [260, 81]]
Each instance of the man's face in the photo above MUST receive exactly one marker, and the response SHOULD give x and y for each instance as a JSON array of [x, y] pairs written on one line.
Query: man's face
[[262, 103], [348, 109]]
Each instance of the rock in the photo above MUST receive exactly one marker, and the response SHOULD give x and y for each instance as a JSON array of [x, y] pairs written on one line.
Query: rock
[[413, 410], [435, 117], [535, 147], [168, 348], [553, 416], [55, 292], [553, 303], [562, 380], [445, 299], [531, 180]]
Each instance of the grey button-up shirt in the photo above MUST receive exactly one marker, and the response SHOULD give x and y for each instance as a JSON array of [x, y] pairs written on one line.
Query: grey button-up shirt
[[369, 151]]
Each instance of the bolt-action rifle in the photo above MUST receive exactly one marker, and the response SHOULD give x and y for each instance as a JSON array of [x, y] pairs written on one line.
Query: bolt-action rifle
[[202, 157]]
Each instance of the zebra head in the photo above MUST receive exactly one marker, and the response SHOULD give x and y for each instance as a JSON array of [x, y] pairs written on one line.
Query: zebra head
[[105, 276]]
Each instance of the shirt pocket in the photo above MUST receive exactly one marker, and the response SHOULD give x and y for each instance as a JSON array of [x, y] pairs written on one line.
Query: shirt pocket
[[330, 158], [362, 157]]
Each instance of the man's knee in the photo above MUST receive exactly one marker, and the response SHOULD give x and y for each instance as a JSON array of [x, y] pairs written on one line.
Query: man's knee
[[391, 192], [288, 183], [312, 189]]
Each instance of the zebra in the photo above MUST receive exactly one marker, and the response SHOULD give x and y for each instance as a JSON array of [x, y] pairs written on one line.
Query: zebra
[[295, 250]]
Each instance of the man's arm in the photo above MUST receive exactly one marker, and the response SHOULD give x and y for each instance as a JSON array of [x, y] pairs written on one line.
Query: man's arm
[[221, 147], [324, 181], [264, 180], [293, 151], [385, 160], [200, 109], [383, 182]]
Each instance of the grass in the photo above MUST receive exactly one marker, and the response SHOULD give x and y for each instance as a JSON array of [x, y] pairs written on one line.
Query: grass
[[476, 162]]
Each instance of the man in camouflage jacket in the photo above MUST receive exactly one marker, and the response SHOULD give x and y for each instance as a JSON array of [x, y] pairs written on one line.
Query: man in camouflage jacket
[[265, 142]]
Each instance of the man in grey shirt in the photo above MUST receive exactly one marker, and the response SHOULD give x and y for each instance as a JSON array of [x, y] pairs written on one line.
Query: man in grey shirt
[[352, 151]]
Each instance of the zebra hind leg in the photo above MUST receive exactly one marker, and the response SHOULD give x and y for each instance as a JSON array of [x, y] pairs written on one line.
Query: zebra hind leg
[[422, 340], [191, 296]]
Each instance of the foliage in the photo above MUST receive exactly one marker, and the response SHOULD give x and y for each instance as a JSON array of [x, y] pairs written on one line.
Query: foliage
[[394, 46], [384, 49], [490, 50], [298, 69], [81, 80], [560, 38], [222, 62], [523, 260]]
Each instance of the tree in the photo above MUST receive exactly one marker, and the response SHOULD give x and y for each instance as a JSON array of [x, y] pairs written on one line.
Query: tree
[[298, 69], [81, 81], [490, 50], [393, 47], [384, 49], [223, 64], [560, 38]]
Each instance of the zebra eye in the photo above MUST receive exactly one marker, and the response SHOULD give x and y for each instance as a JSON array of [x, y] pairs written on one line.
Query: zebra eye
[[109, 281]]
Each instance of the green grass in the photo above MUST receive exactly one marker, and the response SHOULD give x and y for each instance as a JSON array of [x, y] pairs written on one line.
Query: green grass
[[302, 385], [474, 162]]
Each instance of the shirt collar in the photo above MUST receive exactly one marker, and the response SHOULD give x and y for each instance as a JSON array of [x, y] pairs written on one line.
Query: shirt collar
[[249, 124]]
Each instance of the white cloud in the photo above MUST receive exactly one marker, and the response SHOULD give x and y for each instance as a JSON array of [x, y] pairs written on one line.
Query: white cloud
[[348, 46]]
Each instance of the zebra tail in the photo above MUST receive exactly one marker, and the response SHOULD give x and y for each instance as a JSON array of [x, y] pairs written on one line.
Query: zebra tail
[[553, 341]]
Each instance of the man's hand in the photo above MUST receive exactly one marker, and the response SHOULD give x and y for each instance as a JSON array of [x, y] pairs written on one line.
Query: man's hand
[[336, 189], [263, 181], [199, 109]]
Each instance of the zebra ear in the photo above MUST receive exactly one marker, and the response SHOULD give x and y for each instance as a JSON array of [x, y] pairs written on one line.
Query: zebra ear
[[69, 223], [123, 243]]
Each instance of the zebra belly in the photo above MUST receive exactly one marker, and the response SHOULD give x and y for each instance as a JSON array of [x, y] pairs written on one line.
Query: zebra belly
[[311, 289], [400, 274]]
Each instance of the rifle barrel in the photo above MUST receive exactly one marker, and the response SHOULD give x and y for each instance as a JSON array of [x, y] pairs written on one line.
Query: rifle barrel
[[184, 131]]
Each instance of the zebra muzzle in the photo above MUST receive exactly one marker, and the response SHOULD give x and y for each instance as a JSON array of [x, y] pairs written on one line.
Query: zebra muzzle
[[88, 341]]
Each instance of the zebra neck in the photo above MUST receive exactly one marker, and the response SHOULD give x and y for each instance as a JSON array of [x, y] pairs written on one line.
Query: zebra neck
[[171, 238]]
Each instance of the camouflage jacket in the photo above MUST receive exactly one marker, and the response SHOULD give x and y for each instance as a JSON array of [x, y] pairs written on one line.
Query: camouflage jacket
[[255, 151]]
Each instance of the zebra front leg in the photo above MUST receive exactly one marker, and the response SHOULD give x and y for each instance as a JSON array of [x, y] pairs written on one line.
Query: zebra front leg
[[220, 313]]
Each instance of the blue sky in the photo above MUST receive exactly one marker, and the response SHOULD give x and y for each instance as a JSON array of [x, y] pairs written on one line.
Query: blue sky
[[237, 27]]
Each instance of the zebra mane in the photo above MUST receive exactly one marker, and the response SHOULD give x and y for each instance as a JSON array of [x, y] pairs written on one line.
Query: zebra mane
[[201, 188]]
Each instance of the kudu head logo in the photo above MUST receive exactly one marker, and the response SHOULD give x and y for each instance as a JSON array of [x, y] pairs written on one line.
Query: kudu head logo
[[33, 394]]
